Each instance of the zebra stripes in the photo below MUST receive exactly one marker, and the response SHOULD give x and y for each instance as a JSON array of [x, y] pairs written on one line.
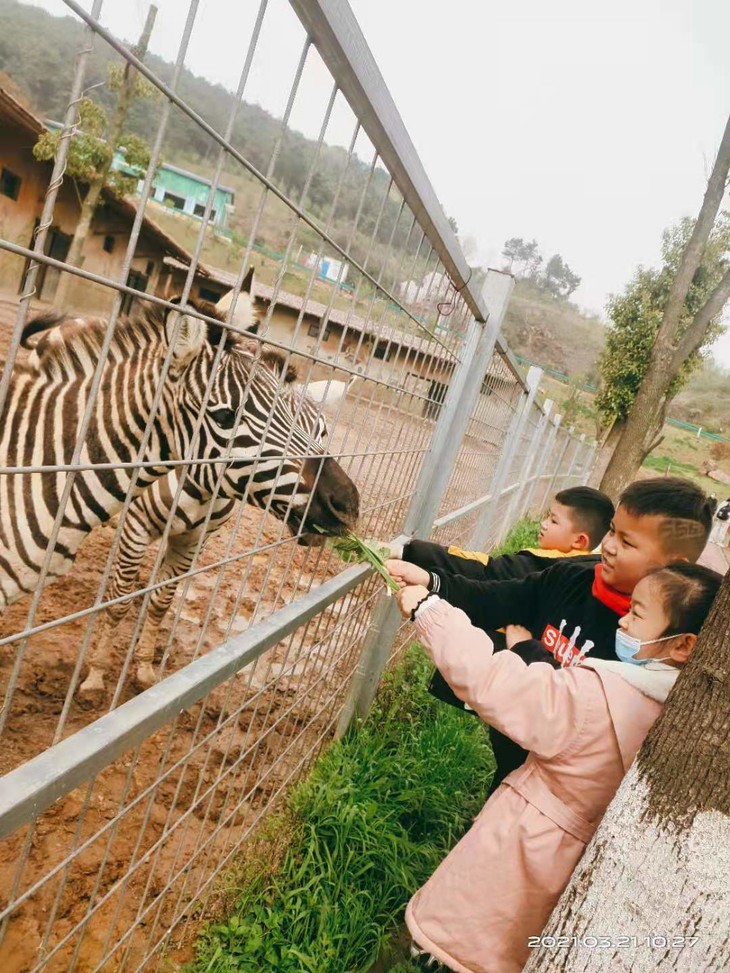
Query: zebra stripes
[[214, 397], [196, 517]]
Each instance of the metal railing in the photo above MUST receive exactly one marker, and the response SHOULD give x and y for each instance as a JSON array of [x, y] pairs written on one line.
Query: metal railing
[[121, 810]]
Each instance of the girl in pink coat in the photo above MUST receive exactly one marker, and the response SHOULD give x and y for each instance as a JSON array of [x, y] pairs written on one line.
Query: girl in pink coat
[[582, 725]]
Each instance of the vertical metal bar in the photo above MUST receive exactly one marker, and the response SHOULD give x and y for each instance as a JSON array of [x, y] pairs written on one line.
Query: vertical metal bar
[[545, 462], [480, 535], [432, 482], [514, 510], [590, 463], [571, 474], [457, 407], [521, 500], [557, 463], [581, 466]]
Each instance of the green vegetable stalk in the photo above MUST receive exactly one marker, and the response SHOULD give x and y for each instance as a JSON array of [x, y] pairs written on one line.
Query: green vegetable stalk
[[354, 550]]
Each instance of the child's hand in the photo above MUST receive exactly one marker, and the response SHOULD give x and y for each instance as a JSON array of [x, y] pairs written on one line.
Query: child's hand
[[409, 597], [406, 573], [515, 634]]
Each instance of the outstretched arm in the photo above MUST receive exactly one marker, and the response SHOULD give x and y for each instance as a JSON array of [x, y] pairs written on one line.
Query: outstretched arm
[[537, 706]]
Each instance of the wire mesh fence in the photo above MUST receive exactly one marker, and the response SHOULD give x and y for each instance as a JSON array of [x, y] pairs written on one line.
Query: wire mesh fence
[[206, 403]]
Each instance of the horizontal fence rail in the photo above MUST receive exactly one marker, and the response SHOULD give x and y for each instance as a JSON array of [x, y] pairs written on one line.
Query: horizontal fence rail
[[191, 400]]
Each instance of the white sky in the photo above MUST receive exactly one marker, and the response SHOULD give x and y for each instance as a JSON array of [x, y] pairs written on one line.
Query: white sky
[[588, 127]]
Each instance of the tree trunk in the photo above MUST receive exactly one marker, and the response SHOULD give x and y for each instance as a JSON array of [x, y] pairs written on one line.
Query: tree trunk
[[633, 441], [91, 200], [659, 864], [669, 351]]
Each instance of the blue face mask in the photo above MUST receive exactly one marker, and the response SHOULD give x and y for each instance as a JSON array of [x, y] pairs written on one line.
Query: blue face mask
[[627, 647]]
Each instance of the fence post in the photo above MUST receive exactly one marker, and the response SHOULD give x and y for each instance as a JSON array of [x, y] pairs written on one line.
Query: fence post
[[532, 453], [457, 410], [561, 457], [545, 454], [574, 464], [560, 461], [431, 485], [587, 469], [483, 526], [545, 432]]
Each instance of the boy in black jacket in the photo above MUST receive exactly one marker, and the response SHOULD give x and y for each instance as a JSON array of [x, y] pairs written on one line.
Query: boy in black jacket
[[575, 524], [572, 608]]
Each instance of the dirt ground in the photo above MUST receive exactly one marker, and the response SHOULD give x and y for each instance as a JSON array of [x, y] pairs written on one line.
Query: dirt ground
[[156, 825]]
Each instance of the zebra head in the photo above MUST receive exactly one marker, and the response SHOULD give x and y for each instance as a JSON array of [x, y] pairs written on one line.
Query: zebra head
[[270, 435]]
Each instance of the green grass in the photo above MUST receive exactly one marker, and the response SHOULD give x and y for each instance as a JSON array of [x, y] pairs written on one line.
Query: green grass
[[377, 813], [676, 468], [522, 535], [324, 884]]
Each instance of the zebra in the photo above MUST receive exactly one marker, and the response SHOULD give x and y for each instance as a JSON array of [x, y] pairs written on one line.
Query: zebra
[[196, 517], [231, 391]]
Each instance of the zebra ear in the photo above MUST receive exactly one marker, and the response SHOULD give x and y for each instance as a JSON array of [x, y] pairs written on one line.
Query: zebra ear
[[244, 316], [190, 336], [277, 361]]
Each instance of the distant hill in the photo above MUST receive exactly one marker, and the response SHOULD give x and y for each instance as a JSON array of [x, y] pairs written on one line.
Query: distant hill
[[706, 399], [554, 333], [37, 51]]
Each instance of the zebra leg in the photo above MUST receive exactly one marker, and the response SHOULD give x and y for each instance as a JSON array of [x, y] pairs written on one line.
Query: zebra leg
[[179, 555], [137, 534]]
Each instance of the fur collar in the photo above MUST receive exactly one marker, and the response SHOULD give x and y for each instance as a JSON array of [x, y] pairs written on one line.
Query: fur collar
[[654, 680]]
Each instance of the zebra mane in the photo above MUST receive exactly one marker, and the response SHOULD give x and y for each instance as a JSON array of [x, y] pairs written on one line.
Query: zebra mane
[[71, 345]]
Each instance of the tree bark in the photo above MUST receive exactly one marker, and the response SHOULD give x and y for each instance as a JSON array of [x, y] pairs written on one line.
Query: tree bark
[[659, 863], [669, 351], [91, 199]]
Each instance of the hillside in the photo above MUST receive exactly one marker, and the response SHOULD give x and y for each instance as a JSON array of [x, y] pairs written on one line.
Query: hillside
[[553, 333], [38, 50]]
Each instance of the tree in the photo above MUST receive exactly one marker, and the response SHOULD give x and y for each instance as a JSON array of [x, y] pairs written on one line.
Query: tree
[[513, 249], [533, 262], [636, 316], [679, 336], [559, 279], [659, 862], [91, 154]]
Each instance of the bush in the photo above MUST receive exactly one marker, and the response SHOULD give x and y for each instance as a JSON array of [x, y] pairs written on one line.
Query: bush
[[720, 452]]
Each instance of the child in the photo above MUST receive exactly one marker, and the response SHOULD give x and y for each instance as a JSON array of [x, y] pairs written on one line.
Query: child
[[571, 609], [576, 522], [720, 525], [582, 725]]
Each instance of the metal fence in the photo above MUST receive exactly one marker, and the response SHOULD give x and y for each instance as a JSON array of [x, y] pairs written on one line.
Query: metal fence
[[121, 812]]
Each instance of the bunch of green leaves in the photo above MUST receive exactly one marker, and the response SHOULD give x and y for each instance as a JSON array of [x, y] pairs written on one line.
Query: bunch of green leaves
[[377, 813], [89, 153], [354, 550]]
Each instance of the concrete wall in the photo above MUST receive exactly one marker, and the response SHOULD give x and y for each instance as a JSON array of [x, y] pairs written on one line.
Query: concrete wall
[[17, 216], [17, 220]]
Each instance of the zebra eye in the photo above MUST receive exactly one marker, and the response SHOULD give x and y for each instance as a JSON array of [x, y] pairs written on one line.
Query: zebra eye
[[224, 418]]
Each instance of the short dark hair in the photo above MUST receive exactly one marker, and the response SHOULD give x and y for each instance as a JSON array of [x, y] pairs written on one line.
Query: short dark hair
[[686, 507], [687, 593], [591, 511]]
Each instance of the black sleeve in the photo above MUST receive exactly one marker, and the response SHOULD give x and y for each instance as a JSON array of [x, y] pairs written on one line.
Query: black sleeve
[[492, 604], [504, 567], [532, 650], [434, 557]]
